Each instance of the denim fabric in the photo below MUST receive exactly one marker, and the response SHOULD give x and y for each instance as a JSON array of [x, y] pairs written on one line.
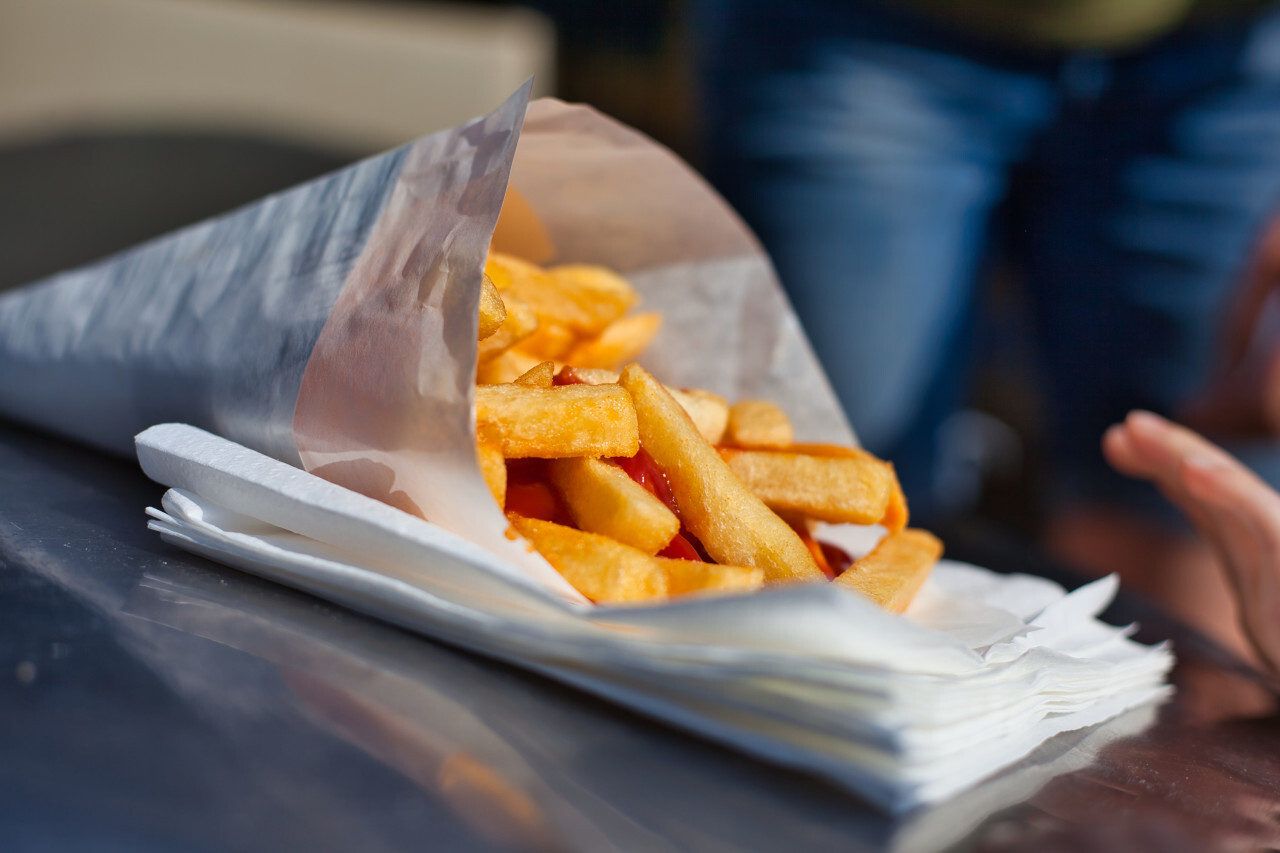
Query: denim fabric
[[880, 157]]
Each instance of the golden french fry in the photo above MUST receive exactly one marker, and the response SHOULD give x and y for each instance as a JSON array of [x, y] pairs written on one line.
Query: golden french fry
[[734, 525], [620, 342], [541, 375], [894, 571], [825, 488], [603, 570], [758, 424], [602, 498], [710, 412], [493, 313], [551, 341], [493, 465], [505, 368], [896, 514], [598, 291], [578, 302], [567, 420], [689, 576], [520, 322]]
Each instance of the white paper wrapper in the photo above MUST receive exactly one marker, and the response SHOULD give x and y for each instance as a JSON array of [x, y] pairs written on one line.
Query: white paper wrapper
[[904, 711], [333, 327]]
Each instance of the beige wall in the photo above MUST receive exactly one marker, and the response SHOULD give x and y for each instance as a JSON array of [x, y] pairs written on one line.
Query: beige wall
[[351, 75]]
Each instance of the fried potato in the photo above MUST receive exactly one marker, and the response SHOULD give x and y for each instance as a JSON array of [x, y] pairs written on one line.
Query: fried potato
[[550, 423], [826, 488], [602, 498], [734, 525], [758, 424], [493, 465], [584, 302], [894, 571], [541, 375], [505, 368], [492, 310], [551, 341], [597, 291], [519, 323], [603, 570], [710, 412], [575, 375], [620, 342], [690, 576]]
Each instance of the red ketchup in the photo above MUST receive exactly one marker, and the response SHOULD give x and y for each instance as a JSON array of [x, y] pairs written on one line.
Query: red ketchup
[[530, 494], [645, 471]]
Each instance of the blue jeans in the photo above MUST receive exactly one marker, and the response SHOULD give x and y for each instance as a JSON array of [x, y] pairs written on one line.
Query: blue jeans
[[881, 156]]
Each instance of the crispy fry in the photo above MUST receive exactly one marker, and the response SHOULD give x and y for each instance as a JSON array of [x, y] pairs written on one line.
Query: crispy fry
[[493, 465], [825, 488], [894, 571], [551, 341], [492, 310], [567, 420], [541, 375], [598, 291], [710, 412], [603, 499], [603, 570], [690, 576], [584, 303], [758, 424], [505, 368], [733, 524], [575, 375], [520, 322], [619, 343]]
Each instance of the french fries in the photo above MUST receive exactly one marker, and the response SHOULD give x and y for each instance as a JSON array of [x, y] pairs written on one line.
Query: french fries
[[551, 423], [732, 523], [635, 491], [895, 570]]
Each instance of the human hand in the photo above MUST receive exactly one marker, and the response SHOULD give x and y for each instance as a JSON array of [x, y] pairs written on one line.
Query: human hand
[[1231, 507]]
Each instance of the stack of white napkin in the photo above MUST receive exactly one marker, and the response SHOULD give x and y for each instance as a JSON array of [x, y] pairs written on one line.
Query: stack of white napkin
[[904, 710]]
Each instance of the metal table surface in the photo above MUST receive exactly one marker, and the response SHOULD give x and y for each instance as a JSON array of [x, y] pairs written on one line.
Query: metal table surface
[[153, 700]]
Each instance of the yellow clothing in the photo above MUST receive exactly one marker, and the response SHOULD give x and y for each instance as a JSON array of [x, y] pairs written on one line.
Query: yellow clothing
[[1080, 24]]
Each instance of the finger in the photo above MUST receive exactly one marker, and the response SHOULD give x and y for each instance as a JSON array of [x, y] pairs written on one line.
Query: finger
[[1147, 447], [1225, 485], [1247, 515]]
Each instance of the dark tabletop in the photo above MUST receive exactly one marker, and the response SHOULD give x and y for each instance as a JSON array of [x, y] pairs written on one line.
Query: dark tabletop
[[153, 700]]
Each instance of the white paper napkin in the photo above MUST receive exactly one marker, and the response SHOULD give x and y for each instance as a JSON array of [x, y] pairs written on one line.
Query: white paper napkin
[[903, 710]]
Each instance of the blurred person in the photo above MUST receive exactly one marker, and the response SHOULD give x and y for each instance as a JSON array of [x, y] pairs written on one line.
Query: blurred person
[[1123, 157]]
